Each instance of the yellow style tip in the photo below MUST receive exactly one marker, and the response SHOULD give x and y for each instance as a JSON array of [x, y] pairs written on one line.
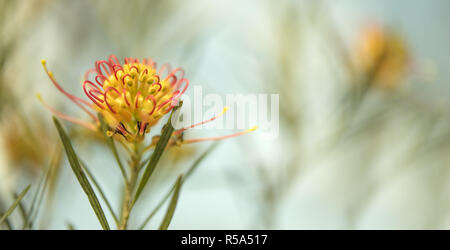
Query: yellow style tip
[[225, 109], [44, 64], [41, 100], [253, 128]]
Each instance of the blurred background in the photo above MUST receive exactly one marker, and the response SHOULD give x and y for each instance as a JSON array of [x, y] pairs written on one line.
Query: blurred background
[[364, 110]]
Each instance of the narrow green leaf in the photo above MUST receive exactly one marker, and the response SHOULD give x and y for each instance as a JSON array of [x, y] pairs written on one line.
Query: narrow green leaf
[[82, 179], [22, 211], [100, 190], [35, 199], [8, 225], [172, 205], [156, 155], [188, 173], [14, 205], [144, 162], [40, 192], [48, 192], [156, 209], [110, 141]]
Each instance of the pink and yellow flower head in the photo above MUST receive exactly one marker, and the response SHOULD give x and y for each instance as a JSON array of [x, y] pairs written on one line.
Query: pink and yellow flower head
[[383, 54], [131, 97]]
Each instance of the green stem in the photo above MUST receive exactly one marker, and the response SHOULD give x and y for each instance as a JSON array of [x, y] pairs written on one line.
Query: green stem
[[130, 186]]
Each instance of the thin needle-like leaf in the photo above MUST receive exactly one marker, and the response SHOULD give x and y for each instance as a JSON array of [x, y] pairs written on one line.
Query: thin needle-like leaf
[[14, 205], [156, 155], [156, 209], [40, 192], [172, 205], [188, 173], [8, 224], [100, 190], [36, 195], [79, 173], [110, 141], [22, 211], [144, 162]]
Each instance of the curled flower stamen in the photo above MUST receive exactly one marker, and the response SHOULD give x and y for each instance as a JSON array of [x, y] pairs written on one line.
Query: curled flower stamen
[[172, 98], [91, 84], [113, 60], [100, 82], [163, 68], [149, 62], [159, 85], [185, 86], [124, 77], [90, 71], [125, 96], [153, 102], [103, 65], [92, 92], [88, 94], [116, 66], [134, 67], [173, 73], [172, 80], [117, 70], [106, 98], [158, 79]]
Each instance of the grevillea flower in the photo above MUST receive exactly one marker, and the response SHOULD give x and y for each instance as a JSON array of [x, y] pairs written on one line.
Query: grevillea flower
[[132, 97], [383, 54]]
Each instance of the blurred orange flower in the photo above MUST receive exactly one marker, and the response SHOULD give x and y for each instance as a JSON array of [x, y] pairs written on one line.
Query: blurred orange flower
[[382, 56]]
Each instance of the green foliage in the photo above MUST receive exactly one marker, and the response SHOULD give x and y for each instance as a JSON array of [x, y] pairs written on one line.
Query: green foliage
[[79, 173], [156, 155], [14, 205], [172, 205], [100, 190], [188, 173]]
